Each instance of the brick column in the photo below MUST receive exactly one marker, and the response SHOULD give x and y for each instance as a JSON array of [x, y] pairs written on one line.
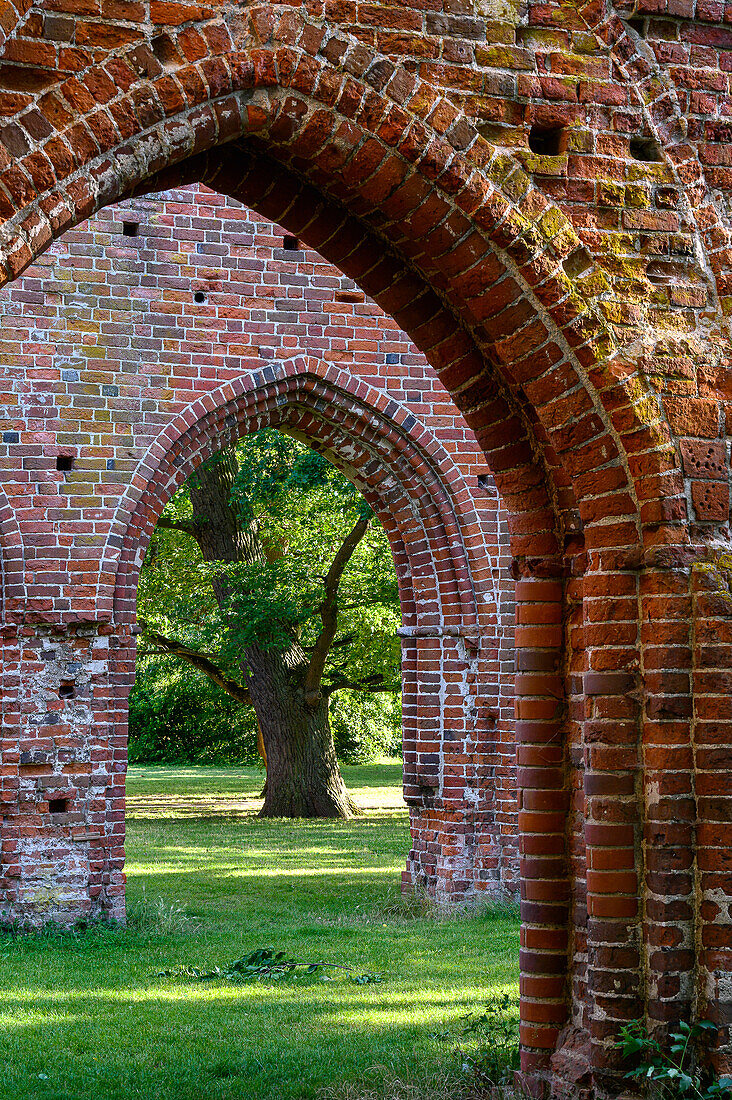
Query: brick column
[[63, 829], [9, 773], [448, 710], [542, 820], [712, 755], [612, 816], [669, 806]]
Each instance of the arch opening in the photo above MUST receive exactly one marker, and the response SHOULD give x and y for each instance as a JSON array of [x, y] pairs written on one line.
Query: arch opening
[[449, 627]]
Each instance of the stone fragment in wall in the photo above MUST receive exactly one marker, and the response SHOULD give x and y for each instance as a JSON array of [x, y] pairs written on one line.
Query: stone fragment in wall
[[501, 11]]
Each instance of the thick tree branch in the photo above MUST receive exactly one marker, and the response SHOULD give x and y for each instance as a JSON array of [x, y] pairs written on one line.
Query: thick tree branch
[[329, 611], [200, 661], [370, 684], [185, 526]]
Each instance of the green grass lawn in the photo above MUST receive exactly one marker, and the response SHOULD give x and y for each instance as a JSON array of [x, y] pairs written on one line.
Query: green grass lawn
[[89, 1017]]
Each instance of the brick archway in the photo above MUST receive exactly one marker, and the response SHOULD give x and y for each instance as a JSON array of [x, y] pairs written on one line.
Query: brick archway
[[448, 624], [352, 413], [523, 391]]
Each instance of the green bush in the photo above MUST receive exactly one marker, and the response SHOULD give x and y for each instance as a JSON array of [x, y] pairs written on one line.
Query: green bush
[[498, 1054], [178, 716], [364, 726]]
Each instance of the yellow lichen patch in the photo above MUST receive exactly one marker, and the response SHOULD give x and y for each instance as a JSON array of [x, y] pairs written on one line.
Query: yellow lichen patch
[[716, 570], [500, 11], [593, 283], [539, 164], [516, 184], [554, 223]]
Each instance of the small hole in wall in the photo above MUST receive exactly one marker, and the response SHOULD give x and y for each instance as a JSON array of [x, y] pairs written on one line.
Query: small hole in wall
[[290, 244], [64, 462], [130, 229], [164, 49], [576, 263], [58, 805], [638, 24], [199, 297], [547, 141], [645, 149], [67, 690]]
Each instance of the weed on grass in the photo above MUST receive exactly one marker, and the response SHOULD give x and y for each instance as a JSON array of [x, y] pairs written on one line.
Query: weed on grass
[[158, 917]]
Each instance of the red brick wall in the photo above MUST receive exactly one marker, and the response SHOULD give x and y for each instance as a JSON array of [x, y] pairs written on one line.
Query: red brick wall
[[122, 326]]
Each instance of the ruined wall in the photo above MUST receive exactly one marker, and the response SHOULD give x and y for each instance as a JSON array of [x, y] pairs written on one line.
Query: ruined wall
[[116, 331]]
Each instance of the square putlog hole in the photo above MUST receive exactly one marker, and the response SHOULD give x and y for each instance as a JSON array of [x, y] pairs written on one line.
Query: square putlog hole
[[58, 805]]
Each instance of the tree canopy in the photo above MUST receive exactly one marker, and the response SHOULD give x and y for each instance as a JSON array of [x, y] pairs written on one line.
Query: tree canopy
[[304, 513]]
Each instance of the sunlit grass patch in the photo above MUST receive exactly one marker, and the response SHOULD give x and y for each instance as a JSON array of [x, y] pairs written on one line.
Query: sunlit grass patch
[[88, 1017]]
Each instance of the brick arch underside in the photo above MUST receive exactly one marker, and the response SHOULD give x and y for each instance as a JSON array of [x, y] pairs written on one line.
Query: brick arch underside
[[476, 278], [446, 582], [415, 488]]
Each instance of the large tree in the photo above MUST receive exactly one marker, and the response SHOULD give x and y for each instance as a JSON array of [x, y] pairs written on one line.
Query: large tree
[[269, 573]]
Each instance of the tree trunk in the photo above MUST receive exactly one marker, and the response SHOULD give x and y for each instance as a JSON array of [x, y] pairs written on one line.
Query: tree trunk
[[303, 776]]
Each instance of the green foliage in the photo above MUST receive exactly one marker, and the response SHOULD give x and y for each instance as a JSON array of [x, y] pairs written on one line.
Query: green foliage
[[671, 1067], [497, 1057], [366, 727], [301, 508], [263, 962], [178, 716], [260, 964]]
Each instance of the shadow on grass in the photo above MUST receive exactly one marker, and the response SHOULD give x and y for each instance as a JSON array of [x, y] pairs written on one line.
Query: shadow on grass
[[87, 1018], [175, 1043]]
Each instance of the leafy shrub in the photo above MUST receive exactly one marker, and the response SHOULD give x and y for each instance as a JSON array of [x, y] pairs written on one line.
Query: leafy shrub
[[671, 1067], [178, 716], [497, 1057]]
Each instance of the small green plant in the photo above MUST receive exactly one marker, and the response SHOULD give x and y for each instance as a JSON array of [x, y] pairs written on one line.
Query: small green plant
[[157, 917], [671, 1068], [497, 1057]]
